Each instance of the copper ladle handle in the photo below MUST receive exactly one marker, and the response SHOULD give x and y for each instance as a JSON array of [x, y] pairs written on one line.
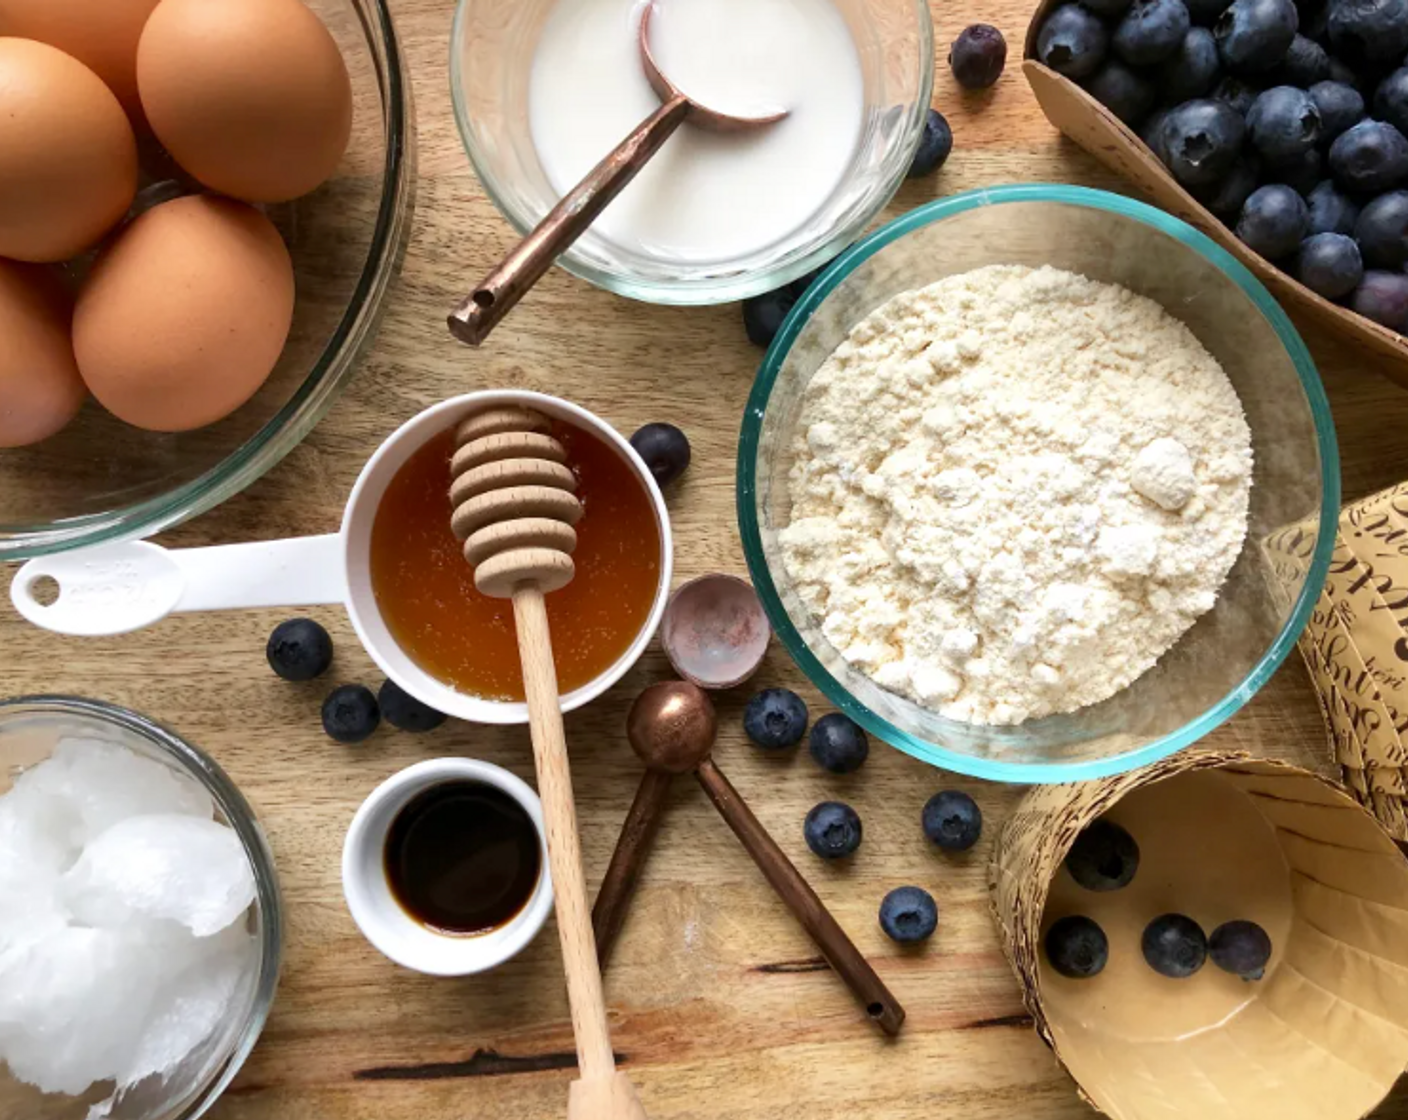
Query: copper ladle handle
[[628, 860], [497, 294]]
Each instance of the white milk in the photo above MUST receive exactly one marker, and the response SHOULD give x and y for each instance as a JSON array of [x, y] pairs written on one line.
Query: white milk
[[705, 196]]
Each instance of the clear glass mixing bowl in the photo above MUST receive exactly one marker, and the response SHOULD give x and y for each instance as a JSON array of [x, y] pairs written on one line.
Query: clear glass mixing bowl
[[1222, 661], [491, 56], [30, 728], [100, 479]]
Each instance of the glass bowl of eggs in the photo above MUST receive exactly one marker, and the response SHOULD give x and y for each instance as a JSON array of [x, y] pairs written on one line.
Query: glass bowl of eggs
[[202, 209]]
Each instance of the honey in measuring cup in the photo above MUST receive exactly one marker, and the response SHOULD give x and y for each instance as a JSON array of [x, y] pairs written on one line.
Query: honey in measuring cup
[[425, 589]]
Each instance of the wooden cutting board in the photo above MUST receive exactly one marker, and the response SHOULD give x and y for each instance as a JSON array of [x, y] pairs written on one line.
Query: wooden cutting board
[[720, 1007]]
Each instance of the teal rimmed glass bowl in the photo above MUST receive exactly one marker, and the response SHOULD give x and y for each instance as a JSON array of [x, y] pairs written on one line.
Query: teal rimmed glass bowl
[[1221, 662]]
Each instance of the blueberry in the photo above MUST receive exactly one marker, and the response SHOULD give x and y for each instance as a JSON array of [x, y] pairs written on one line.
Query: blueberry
[[665, 450], [1076, 947], [1104, 857], [1283, 123], [1382, 230], [775, 719], [1072, 41], [1109, 9], [1383, 297], [1391, 99], [1174, 946], [952, 820], [404, 712], [908, 914], [1273, 221], [1150, 31], [1331, 211], [1191, 71], [1254, 35], [832, 830], [1340, 107], [1329, 264], [1301, 174], [1236, 94], [1204, 13], [1202, 140], [1305, 63], [763, 315], [1372, 157], [1368, 31], [1345, 74], [935, 144], [838, 744], [299, 650], [1228, 197], [1124, 92], [1315, 26], [1152, 133], [978, 56], [350, 713], [1241, 948]]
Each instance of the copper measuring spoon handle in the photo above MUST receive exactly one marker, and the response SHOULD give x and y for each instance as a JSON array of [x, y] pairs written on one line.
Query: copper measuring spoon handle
[[816, 919], [627, 861]]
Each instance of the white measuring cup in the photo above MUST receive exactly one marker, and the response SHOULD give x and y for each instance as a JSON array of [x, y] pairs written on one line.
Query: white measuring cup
[[120, 587]]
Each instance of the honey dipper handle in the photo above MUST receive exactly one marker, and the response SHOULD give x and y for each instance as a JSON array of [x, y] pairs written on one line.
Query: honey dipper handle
[[574, 924]]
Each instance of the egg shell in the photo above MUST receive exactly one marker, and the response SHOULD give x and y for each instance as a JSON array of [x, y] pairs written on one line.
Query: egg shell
[[101, 34], [68, 159], [184, 317], [251, 98], [40, 390]]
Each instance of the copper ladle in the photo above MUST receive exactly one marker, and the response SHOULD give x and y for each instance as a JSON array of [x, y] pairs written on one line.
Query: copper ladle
[[496, 295]]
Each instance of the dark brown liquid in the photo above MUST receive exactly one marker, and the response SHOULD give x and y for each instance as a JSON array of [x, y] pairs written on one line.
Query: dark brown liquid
[[462, 857]]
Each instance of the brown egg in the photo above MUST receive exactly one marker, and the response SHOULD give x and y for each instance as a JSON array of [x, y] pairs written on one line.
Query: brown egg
[[68, 159], [40, 390], [252, 98], [101, 34], [183, 318]]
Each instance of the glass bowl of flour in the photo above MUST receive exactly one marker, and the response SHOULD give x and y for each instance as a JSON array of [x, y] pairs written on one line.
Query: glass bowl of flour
[[140, 921], [543, 89], [1006, 475]]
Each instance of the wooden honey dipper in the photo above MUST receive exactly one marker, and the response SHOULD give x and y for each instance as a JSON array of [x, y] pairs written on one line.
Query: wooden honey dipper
[[515, 506]]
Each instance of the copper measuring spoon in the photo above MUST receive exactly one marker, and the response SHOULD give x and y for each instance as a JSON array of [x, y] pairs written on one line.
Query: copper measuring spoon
[[496, 295]]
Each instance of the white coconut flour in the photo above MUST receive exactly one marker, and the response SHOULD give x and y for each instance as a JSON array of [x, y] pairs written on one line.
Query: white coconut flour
[[1014, 490]]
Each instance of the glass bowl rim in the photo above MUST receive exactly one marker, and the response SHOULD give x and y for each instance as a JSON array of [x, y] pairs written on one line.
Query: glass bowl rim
[[934, 753], [283, 431], [714, 290], [242, 819]]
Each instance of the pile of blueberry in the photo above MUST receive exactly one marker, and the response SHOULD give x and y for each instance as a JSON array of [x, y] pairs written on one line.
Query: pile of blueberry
[[1105, 858], [776, 719], [301, 650], [1288, 119]]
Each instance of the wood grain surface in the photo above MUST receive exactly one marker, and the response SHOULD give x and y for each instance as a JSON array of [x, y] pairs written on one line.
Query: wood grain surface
[[720, 1007]]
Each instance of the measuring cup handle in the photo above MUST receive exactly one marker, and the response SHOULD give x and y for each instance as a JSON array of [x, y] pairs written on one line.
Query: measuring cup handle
[[116, 588]]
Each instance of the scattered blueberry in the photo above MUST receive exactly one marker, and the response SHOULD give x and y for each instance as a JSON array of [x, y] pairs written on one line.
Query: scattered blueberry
[[1368, 31], [1109, 9], [350, 713], [1340, 107], [1329, 264], [1301, 173], [1383, 297], [1273, 221], [1104, 857], [1391, 100], [832, 830], [299, 650], [1191, 71], [1254, 35], [1228, 197], [978, 56], [1283, 123], [1174, 946], [952, 820], [908, 914], [1305, 63], [763, 315], [1124, 92], [1072, 41], [665, 450], [775, 719], [935, 144], [1382, 230], [1370, 157], [1202, 140], [1150, 31], [1077, 947], [1204, 13], [1331, 210], [404, 712], [1235, 93], [1241, 948], [838, 744]]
